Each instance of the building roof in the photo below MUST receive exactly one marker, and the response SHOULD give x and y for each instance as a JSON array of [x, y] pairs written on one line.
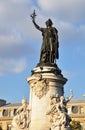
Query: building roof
[[11, 105], [77, 101]]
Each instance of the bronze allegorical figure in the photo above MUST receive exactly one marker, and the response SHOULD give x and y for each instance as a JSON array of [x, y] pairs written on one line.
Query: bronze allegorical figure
[[50, 44]]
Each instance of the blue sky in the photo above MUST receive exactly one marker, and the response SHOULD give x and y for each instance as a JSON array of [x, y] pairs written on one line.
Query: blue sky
[[20, 44]]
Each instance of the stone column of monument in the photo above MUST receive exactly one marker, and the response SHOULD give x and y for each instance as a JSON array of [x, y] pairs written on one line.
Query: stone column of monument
[[44, 83], [47, 102]]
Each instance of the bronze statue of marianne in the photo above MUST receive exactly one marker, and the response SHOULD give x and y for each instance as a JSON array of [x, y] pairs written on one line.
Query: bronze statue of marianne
[[50, 44]]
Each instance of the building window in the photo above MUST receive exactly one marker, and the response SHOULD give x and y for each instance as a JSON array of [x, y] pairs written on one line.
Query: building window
[[74, 109], [81, 110], [14, 112], [5, 112], [0, 126]]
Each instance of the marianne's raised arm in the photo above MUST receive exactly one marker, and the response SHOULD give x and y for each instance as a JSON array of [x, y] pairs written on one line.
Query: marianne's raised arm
[[33, 20]]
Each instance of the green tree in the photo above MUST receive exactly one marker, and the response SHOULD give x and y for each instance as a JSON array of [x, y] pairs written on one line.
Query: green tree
[[75, 125]]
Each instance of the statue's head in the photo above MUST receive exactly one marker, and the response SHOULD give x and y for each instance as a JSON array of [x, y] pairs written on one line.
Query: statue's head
[[62, 98], [24, 101], [49, 22]]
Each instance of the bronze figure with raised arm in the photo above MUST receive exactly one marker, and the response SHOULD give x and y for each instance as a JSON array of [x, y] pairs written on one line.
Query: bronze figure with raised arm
[[50, 44]]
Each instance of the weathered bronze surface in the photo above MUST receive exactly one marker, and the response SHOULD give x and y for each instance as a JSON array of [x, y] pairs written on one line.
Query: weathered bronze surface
[[50, 44]]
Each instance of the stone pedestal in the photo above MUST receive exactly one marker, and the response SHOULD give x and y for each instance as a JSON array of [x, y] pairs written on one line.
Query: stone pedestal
[[45, 82]]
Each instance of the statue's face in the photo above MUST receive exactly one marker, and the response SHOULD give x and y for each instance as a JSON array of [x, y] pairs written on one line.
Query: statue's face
[[62, 98], [24, 101], [47, 24]]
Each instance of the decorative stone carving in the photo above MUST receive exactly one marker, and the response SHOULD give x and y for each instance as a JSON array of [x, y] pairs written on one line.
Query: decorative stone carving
[[58, 113], [22, 119], [39, 86]]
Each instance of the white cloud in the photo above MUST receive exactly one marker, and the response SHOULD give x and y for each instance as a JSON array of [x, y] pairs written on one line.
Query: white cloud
[[16, 17], [71, 10], [15, 26], [69, 74], [12, 66], [20, 1], [10, 39], [2, 9], [69, 33]]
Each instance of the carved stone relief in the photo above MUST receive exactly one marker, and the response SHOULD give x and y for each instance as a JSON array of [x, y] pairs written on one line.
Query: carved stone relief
[[40, 86], [58, 113], [22, 118]]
